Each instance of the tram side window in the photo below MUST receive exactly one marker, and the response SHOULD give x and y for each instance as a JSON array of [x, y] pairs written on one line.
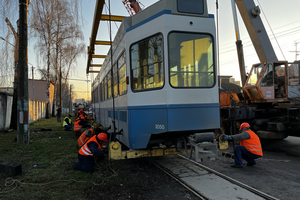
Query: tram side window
[[147, 64], [109, 84], [105, 88], [101, 92], [191, 60], [115, 80], [95, 95], [122, 75]]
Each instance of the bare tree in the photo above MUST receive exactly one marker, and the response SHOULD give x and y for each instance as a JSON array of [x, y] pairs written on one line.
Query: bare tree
[[55, 23], [9, 51], [8, 9]]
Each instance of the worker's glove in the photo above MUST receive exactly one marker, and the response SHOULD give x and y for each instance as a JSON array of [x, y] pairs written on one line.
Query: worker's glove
[[226, 137]]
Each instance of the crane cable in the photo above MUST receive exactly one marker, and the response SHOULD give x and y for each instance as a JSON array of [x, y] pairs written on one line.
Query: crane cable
[[271, 29]]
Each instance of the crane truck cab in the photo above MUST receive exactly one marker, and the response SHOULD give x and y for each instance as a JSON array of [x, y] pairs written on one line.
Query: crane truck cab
[[267, 82]]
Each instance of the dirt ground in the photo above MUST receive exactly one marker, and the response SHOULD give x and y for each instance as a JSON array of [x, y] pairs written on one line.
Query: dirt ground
[[139, 178], [276, 174]]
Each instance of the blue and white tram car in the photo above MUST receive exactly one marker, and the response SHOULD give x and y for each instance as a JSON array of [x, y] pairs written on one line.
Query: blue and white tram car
[[164, 80]]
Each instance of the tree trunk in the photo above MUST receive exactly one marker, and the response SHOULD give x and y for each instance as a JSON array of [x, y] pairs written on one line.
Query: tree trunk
[[48, 84]]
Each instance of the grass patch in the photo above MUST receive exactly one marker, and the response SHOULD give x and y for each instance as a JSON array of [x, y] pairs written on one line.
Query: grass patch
[[47, 165]]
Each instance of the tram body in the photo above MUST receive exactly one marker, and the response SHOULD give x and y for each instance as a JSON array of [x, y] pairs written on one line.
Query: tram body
[[164, 76]]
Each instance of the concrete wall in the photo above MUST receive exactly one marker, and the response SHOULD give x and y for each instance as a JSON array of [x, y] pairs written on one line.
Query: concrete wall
[[6, 100]]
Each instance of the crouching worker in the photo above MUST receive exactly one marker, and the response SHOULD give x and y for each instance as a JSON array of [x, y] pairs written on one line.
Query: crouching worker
[[67, 123], [249, 148], [80, 126], [85, 155], [87, 134]]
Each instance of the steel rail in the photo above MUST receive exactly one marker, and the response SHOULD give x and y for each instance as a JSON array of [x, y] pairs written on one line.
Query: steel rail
[[247, 187], [196, 193]]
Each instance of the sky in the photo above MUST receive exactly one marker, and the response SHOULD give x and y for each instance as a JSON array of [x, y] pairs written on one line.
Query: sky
[[282, 18]]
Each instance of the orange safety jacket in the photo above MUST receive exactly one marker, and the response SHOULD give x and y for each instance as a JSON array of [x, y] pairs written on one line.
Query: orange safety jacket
[[83, 138], [81, 117], [85, 151], [253, 144], [77, 126]]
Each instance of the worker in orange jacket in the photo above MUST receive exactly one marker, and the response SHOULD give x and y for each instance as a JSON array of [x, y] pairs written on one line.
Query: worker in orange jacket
[[87, 134], [85, 155], [249, 148], [80, 112], [79, 125]]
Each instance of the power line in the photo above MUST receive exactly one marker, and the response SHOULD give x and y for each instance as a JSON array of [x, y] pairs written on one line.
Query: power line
[[78, 80]]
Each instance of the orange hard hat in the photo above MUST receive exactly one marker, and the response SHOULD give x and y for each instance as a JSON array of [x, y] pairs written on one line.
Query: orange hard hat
[[102, 137], [244, 125], [81, 111]]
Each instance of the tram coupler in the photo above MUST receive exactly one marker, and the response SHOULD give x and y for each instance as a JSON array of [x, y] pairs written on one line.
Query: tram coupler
[[203, 146]]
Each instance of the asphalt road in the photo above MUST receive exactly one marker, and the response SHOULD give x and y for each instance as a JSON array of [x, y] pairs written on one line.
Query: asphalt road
[[276, 173]]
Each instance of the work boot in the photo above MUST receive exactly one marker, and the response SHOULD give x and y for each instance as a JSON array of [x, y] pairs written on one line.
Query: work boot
[[237, 166], [251, 163]]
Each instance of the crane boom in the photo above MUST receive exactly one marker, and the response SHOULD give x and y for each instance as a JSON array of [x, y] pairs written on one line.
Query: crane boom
[[256, 30]]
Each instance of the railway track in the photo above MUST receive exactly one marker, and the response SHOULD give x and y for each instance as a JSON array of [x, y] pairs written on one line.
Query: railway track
[[205, 182]]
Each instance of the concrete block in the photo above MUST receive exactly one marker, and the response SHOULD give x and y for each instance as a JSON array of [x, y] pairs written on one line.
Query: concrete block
[[10, 169]]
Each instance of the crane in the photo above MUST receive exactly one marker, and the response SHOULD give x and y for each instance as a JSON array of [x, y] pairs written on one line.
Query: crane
[[271, 88], [132, 6]]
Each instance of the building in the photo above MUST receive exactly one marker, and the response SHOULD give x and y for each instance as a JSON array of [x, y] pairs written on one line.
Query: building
[[37, 93]]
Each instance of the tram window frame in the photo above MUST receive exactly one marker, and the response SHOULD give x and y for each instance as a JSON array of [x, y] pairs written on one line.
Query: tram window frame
[[213, 65], [122, 79], [160, 66]]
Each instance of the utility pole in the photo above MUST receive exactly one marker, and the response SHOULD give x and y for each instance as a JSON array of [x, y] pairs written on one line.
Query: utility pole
[[87, 86], [33, 96], [296, 51], [23, 133], [60, 96], [70, 110]]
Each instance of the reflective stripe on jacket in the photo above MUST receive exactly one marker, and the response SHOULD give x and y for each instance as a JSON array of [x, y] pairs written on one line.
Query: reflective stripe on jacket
[[65, 123], [83, 138], [77, 127], [253, 144], [85, 151]]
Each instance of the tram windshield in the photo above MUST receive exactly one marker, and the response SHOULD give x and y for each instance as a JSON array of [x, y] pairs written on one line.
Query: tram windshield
[[191, 60]]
